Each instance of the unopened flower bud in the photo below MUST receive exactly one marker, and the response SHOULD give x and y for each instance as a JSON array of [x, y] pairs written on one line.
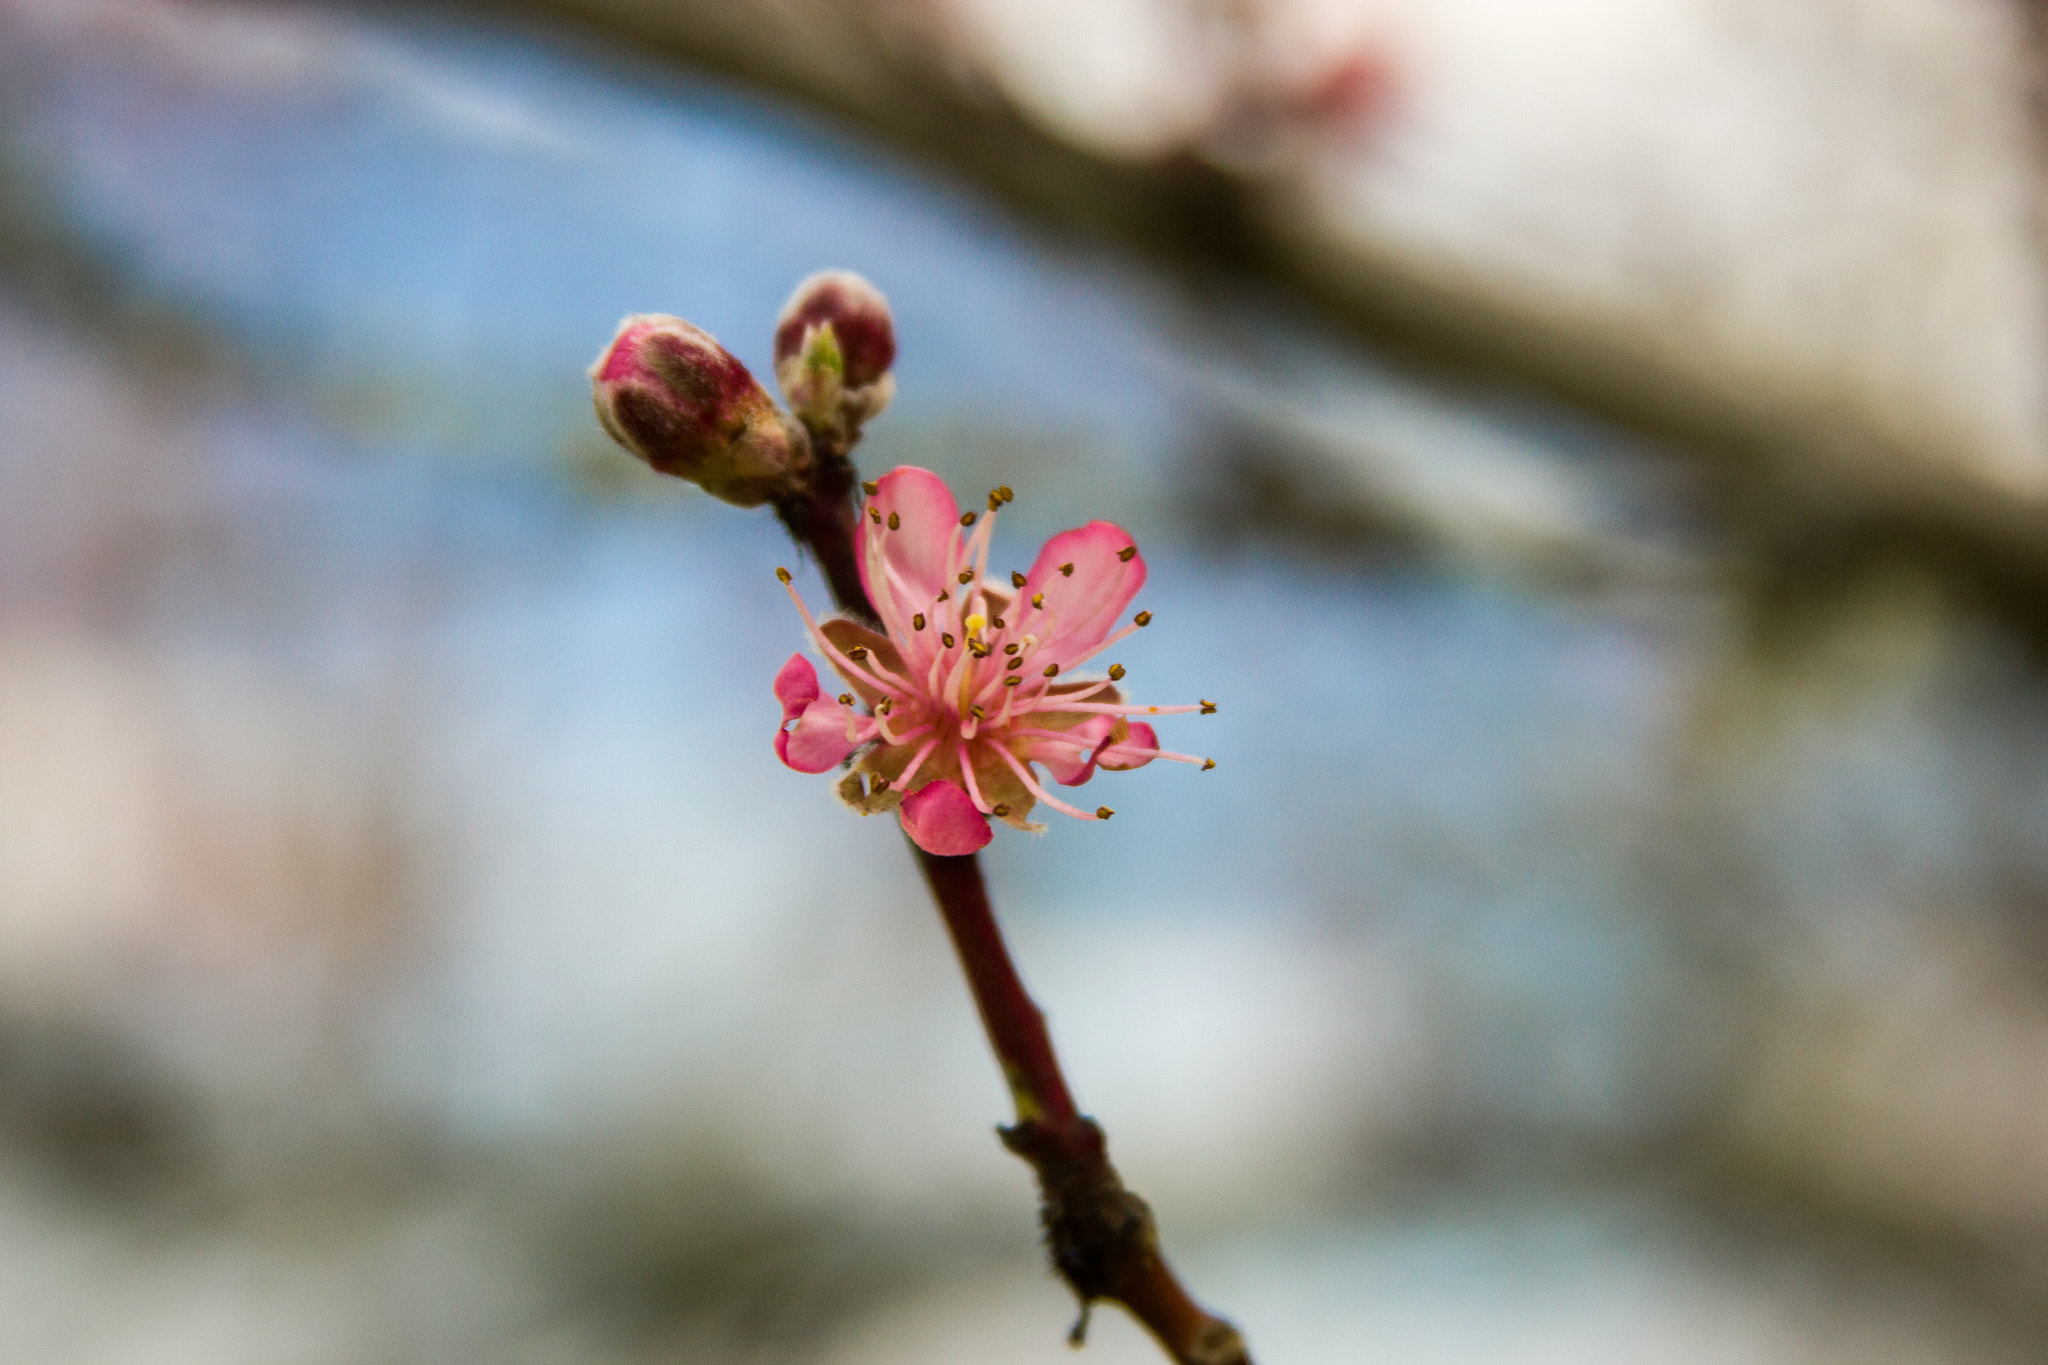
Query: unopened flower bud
[[834, 345], [669, 393]]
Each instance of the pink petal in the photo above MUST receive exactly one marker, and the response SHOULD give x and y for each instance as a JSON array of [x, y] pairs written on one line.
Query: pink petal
[[1085, 604], [796, 687], [820, 741], [1068, 760], [928, 518], [1118, 758], [941, 819]]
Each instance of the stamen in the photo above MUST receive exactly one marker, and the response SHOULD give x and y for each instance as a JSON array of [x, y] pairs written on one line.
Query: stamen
[[882, 724], [1206, 763], [857, 653], [1037, 598], [1066, 571], [978, 712], [1208, 707], [869, 487], [1116, 671], [999, 809], [967, 518], [895, 521], [846, 698], [875, 515], [1143, 618], [903, 778], [1103, 812], [966, 576], [1111, 709], [1126, 553], [1016, 579], [997, 622], [782, 574], [946, 639], [832, 651], [1052, 670], [917, 621], [945, 595], [1008, 496], [1032, 785], [1012, 648], [1012, 682], [967, 773]]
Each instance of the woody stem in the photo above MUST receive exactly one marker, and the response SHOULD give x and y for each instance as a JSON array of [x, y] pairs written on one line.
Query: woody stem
[[1101, 1235]]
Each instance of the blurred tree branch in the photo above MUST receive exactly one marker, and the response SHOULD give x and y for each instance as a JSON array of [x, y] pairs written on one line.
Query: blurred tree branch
[[1810, 489]]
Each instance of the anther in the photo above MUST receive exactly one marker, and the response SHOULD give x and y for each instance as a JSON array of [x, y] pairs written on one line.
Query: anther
[[1016, 579], [999, 809], [870, 487], [995, 498], [997, 623], [885, 706], [1012, 681], [1010, 648], [1066, 571], [917, 621], [857, 653], [1208, 707], [875, 515], [881, 784], [1008, 496], [895, 521], [846, 698], [1207, 764], [944, 596], [1143, 618], [782, 574], [1126, 553], [966, 576], [967, 518], [1052, 670], [1038, 599], [1116, 672], [976, 711], [946, 639], [1103, 812]]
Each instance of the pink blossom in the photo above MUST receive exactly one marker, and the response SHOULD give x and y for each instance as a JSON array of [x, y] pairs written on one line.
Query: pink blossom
[[970, 686]]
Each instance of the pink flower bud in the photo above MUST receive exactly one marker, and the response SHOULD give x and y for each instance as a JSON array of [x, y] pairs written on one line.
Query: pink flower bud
[[834, 345], [669, 393]]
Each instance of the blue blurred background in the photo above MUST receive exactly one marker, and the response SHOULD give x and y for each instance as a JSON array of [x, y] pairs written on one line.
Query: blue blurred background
[[1595, 456]]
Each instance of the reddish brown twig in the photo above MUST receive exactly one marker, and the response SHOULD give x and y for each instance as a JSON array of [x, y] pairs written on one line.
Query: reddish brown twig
[[1102, 1237]]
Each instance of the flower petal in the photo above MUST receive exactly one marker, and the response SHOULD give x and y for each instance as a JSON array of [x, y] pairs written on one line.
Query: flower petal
[[1119, 758], [1068, 760], [940, 819], [796, 687], [1083, 605], [928, 519], [823, 737]]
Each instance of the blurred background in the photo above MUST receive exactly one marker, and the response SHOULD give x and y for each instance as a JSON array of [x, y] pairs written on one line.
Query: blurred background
[[1597, 453]]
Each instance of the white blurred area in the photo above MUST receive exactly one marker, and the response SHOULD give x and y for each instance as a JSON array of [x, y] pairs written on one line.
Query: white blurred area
[[1819, 216], [410, 949]]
